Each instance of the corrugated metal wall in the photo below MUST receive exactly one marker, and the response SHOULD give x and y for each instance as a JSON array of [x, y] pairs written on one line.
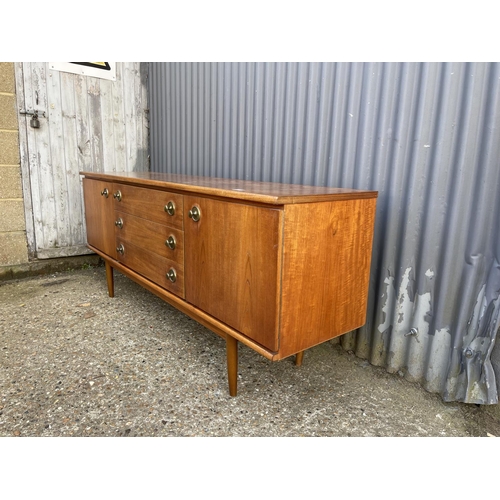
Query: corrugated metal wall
[[425, 135]]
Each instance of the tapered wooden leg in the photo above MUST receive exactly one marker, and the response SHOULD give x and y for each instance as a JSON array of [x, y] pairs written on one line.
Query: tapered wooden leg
[[298, 358], [110, 280], [232, 364]]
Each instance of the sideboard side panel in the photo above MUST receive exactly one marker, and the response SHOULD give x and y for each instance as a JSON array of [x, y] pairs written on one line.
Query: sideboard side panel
[[326, 270]]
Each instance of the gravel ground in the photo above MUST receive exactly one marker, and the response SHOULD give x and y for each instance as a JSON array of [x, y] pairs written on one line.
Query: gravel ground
[[75, 362]]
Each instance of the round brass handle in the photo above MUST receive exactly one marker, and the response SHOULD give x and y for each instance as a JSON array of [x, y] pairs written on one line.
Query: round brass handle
[[170, 208], [118, 196], [105, 192], [172, 275], [120, 249], [194, 214], [170, 242], [119, 223]]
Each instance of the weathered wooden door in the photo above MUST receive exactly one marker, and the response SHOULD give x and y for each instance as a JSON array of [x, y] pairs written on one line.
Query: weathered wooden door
[[85, 124]]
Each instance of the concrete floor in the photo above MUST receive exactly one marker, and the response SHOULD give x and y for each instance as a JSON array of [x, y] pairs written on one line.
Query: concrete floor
[[75, 362]]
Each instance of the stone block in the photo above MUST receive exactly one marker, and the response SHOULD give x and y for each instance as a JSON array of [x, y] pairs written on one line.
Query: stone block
[[10, 182], [9, 148], [8, 113], [13, 248], [7, 77], [12, 216]]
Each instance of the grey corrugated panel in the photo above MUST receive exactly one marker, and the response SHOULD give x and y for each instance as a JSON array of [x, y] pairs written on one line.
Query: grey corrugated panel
[[425, 135]]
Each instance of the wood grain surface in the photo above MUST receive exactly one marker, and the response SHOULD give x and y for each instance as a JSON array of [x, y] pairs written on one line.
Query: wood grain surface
[[258, 192], [99, 216], [149, 204], [233, 260], [150, 235], [326, 269], [152, 266]]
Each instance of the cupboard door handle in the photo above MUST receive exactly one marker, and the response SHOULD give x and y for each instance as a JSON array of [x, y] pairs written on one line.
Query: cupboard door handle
[[120, 249], [119, 223], [118, 196], [170, 208], [194, 214], [170, 242], [172, 275], [105, 192]]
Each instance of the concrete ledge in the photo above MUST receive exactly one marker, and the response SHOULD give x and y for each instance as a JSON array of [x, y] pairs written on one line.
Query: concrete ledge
[[49, 266]]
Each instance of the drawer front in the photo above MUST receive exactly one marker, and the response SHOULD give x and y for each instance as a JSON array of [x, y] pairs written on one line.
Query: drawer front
[[151, 266], [150, 204], [151, 236]]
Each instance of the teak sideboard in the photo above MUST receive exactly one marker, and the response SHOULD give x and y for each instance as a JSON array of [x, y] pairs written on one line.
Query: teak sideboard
[[277, 267]]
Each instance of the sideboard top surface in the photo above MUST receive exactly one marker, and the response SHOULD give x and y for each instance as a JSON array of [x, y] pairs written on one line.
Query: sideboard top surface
[[261, 192]]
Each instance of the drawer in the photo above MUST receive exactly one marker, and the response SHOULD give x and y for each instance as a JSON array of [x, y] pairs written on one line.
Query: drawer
[[151, 266], [151, 204], [150, 236]]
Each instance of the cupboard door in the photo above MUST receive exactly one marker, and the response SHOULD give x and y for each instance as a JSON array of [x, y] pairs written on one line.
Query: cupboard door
[[99, 217], [232, 261]]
